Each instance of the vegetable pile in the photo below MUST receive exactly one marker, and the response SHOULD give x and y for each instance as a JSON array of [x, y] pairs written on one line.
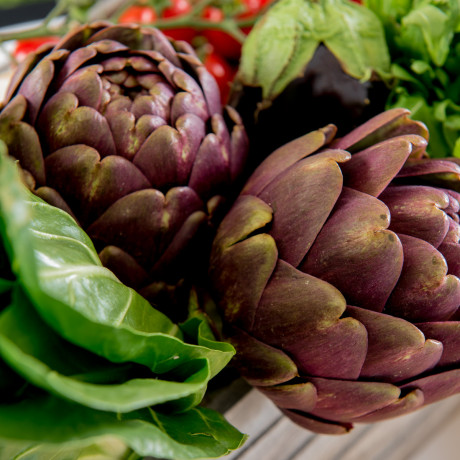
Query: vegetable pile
[[85, 356], [379, 55], [179, 178]]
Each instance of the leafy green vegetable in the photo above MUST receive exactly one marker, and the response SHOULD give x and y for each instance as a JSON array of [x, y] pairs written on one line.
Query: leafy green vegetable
[[283, 42], [424, 42], [421, 29], [84, 301], [198, 433], [104, 448], [42, 357], [91, 351]]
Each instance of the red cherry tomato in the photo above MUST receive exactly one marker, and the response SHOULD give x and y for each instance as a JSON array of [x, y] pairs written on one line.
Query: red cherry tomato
[[252, 8], [222, 71], [138, 14], [178, 8], [223, 44], [27, 45]]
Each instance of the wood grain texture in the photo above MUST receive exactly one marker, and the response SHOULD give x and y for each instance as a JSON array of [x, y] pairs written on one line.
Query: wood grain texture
[[274, 437]]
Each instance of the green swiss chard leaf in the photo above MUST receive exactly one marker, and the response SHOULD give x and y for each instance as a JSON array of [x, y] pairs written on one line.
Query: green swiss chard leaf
[[6, 285], [54, 423], [198, 326], [42, 357], [104, 448], [283, 42]]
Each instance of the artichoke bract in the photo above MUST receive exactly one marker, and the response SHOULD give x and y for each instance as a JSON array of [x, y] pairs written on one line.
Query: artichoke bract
[[124, 130], [337, 271]]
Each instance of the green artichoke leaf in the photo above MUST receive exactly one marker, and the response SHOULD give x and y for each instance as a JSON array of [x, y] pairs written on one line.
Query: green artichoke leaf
[[359, 42], [81, 300], [390, 9], [43, 358], [277, 49], [283, 42], [48, 425]]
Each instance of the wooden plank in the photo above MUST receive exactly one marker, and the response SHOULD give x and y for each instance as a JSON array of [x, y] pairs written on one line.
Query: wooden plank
[[381, 440], [424, 430], [378, 437], [274, 437], [327, 447], [254, 415], [281, 441], [444, 441]]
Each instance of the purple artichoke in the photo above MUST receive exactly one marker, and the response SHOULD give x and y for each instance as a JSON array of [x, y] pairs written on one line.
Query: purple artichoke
[[337, 271], [124, 129]]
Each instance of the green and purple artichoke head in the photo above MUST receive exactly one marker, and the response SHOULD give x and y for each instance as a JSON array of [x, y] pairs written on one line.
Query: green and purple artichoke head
[[337, 271], [124, 129]]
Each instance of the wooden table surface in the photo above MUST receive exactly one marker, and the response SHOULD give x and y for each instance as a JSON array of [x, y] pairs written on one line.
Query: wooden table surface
[[427, 434]]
